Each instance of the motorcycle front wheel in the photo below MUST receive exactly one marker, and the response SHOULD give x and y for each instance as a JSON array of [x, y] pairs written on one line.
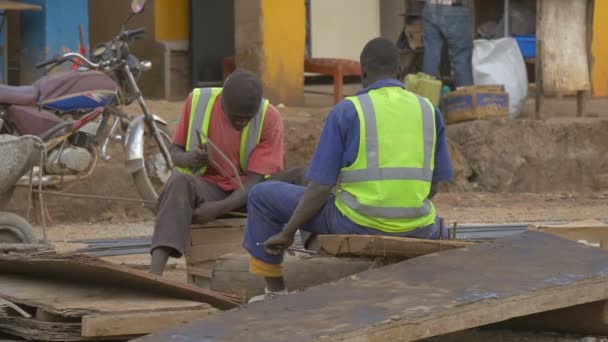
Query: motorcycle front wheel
[[151, 179]]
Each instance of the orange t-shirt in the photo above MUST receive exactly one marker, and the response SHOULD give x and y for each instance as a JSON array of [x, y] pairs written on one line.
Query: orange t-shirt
[[265, 159]]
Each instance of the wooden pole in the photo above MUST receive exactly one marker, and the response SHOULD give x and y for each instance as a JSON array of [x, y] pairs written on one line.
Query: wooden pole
[[538, 71]]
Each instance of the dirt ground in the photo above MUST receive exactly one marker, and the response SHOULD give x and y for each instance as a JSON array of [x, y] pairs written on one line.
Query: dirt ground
[[505, 171]]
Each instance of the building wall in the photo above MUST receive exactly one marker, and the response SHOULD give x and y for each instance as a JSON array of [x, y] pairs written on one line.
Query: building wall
[[172, 19], [106, 18], [599, 50], [340, 28], [54, 30], [391, 19], [284, 36]]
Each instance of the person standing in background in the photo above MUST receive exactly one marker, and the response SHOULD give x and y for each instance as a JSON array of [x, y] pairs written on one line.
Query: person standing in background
[[448, 20]]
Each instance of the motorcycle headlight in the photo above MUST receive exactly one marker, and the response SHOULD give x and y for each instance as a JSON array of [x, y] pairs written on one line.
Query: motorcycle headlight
[[134, 66]]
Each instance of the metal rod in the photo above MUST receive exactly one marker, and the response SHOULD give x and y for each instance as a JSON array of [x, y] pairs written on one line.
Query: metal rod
[[113, 198], [109, 198]]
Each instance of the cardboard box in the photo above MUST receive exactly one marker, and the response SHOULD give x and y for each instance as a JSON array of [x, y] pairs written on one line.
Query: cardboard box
[[475, 103]]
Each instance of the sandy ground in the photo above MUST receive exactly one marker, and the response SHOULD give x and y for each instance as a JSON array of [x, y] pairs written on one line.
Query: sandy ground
[[93, 219]]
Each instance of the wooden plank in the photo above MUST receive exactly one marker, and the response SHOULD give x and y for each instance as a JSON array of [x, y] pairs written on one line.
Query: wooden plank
[[220, 223], [563, 31], [32, 329], [74, 299], [210, 236], [231, 273], [423, 297], [139, 323], [200, 253], [201, 269], [592, 232], [72, 268], [383, 246]]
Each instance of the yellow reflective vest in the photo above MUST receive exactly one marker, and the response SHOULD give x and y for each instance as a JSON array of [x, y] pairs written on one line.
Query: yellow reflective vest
[[388, 185], [203, 100]]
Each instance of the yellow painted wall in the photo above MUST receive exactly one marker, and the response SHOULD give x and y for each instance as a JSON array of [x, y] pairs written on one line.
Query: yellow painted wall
[[283, 37], [171, 19], [599, 49]]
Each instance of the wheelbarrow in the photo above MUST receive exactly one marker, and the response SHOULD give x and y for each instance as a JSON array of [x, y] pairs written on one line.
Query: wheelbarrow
[[18, 156]]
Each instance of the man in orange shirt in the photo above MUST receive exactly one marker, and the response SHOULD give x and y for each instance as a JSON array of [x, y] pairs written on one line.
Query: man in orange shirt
[[247, 130]]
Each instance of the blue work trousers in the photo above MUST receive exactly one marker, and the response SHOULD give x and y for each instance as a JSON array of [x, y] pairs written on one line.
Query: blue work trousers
[[452, 24], [271, 204]]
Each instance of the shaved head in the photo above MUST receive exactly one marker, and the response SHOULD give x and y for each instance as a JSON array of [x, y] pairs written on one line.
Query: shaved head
[[241, 97], [379, 59]]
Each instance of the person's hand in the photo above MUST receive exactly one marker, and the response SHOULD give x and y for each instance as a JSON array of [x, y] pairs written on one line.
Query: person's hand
[[207, 212], [197, 158], [278, 243]]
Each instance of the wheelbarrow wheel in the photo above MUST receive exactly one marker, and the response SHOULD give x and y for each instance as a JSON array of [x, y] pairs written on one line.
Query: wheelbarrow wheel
[[15, 229]]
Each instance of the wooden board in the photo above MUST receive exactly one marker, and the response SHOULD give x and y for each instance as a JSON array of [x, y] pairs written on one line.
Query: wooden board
[[75, 299], [563, 31], [138, 323], [205, 252], [81, 268], [231, 273], [383, 246], [209, 243], [206, 236], [592, 232], [39, 330], [422, 297]]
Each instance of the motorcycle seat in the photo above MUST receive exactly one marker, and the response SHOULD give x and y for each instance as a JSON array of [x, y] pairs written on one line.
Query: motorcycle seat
[[14, 95]]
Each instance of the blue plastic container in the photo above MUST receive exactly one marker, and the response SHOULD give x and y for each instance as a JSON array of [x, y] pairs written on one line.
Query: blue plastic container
[[527, 45]]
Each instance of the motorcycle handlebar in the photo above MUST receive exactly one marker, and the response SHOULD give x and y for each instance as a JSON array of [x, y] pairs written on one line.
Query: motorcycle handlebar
[[129, 34], [48, 62], [70, 56]]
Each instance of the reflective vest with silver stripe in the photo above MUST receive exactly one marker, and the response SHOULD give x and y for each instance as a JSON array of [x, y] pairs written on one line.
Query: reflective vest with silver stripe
[[203, 100], [388, 184]]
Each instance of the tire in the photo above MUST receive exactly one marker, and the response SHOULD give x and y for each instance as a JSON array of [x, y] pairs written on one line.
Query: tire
[[15, 229], [149, 181]]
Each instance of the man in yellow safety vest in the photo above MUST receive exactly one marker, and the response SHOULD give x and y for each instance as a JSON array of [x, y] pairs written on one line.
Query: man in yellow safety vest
[[245, 134], [384, 150]]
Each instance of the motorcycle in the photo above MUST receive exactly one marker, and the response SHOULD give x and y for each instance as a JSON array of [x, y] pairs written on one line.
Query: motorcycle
[[75, 113]]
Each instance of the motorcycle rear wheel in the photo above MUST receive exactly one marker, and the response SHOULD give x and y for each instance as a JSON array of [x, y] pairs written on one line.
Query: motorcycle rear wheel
[[150, 179], [15, 229]]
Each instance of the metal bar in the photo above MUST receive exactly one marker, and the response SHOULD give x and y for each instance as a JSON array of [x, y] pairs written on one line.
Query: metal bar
[[108, 198], [111, 240], [234, 214], [119, 252], [113, 247]]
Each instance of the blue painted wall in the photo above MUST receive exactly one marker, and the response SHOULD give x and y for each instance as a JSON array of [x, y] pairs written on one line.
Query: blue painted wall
[[54, 30]]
